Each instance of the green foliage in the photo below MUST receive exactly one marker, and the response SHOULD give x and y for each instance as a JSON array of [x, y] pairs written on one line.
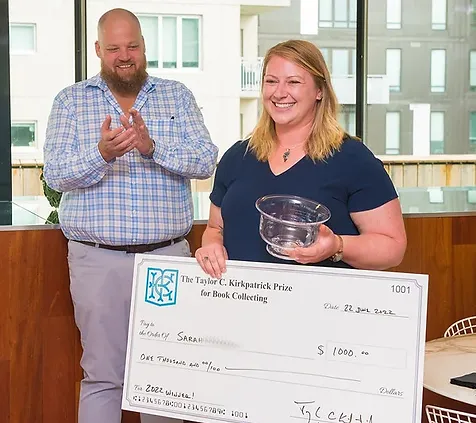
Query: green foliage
[[54, 198], [53, 218]]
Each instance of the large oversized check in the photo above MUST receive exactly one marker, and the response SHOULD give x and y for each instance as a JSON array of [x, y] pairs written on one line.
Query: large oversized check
[[275, 343]]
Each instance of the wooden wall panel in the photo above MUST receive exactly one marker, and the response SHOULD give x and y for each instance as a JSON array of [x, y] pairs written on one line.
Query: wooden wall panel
[[36, 317], [429, 251], [4, 389], [39, 343], [462, 233], [59, 369], [25, 311], [465, 270], [444, 248]]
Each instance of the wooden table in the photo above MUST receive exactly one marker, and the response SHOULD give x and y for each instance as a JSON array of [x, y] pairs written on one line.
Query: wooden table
[[450, 357]]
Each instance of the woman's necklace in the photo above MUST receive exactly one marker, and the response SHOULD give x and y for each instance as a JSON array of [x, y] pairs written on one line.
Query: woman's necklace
[[287, 151]]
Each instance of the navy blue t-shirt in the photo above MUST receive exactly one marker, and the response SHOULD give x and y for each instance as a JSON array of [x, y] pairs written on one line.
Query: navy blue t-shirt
[[351, 180]]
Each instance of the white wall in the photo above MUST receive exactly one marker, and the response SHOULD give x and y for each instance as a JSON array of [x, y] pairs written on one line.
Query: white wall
[[249, 110], [36, 78], [249, 27]]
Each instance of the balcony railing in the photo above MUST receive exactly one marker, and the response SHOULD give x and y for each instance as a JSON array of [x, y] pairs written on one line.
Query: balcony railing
[[251, 74], [344, 86]]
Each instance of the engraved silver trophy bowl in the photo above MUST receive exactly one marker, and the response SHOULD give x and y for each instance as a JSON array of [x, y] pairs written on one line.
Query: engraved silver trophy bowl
[[288, 221]]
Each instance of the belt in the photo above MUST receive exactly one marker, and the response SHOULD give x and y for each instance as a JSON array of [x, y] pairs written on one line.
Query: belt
[[134, 249]]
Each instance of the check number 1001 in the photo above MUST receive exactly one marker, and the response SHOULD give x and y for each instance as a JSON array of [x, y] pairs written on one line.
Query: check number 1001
[[400, 289]]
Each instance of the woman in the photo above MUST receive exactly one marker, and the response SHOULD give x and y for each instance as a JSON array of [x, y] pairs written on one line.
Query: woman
[[299, 148]]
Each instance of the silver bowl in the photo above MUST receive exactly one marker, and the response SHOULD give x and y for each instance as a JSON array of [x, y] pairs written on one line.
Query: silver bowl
[[288, 221]]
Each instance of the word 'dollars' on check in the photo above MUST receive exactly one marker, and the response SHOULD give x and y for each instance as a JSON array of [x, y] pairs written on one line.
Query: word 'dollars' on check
[[275, 343]]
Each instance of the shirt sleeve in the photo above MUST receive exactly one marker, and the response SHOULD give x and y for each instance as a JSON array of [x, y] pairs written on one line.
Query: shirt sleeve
[[369, 184], [226, 172], [186, 148], [67, 167]]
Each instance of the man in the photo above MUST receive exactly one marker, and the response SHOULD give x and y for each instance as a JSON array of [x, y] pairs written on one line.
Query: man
[[122, 147]]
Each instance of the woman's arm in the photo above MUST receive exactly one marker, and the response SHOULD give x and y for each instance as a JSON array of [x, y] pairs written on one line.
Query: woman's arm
[[212, 255], [214, 231], [381, 242]]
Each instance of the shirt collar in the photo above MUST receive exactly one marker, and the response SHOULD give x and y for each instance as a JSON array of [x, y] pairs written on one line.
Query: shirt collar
[[97, 81]]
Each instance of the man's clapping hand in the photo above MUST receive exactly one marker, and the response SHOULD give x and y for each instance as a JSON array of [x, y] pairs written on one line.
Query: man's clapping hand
[[119, 141], [143, 142], [116, 142]]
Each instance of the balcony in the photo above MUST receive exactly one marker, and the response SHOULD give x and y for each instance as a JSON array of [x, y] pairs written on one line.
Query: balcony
[[344, 86], [255, 7], [251, 77]]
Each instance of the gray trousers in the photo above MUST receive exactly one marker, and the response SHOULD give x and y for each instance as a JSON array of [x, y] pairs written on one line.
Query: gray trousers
[[101, 285]]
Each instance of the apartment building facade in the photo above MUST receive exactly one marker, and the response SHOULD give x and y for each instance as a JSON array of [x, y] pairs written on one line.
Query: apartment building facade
[[425, 48]]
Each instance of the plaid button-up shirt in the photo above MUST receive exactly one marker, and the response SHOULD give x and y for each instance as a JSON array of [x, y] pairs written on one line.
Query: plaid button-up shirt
[[132, 199]]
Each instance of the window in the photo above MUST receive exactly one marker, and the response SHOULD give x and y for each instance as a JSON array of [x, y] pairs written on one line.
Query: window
[[394, 14], [337, 13], [23, 134], [340, 61], [437, 133], [190, 45], [22, 38], [472, 70], [392, 133], [150, 31], [346, 118], [353, 61], [438, 71], [325, 55], [472, 132], [394, 59], [172, 42], [438, 14], [169, 47]]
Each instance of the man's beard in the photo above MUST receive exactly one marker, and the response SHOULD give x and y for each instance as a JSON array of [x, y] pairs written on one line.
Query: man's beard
[[129, 86]]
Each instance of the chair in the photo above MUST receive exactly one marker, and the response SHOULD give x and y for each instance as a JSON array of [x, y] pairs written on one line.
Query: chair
[[445, 415], [462, 327]]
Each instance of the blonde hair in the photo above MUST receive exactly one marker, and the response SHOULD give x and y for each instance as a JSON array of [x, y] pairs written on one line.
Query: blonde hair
[[326, 134]]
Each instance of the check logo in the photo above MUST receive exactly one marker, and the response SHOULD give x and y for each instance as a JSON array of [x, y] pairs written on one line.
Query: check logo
[[161, 286]]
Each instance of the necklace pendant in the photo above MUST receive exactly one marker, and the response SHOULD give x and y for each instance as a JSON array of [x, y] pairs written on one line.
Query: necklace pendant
[[286, 155]]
